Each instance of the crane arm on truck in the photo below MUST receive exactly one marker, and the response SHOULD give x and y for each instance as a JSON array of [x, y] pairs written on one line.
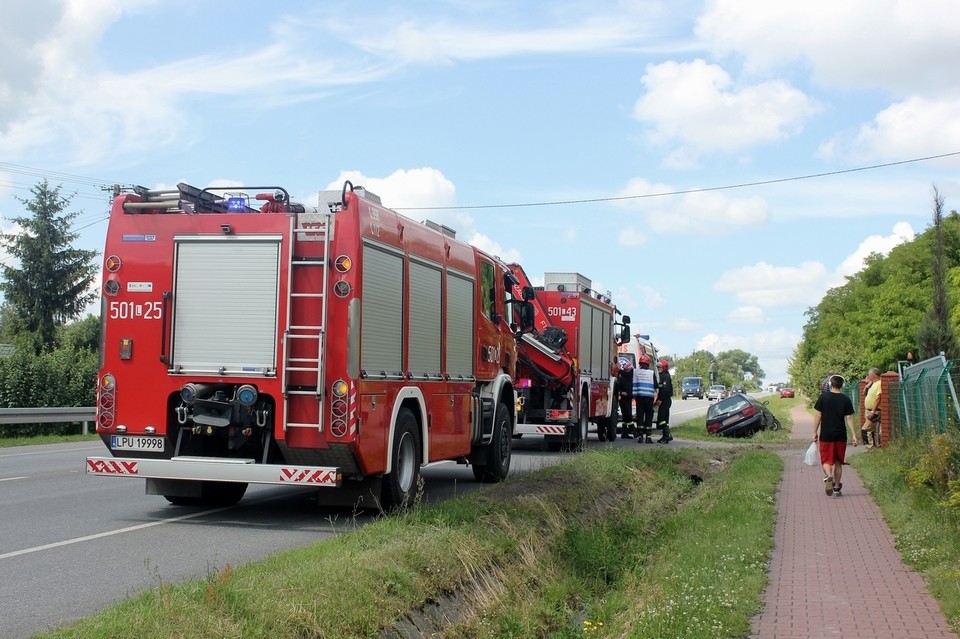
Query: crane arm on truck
[[544, 348]]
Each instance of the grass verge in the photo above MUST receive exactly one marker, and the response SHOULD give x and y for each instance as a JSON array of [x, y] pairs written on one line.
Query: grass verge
[[613, 543], [926, 533], [8, 442]]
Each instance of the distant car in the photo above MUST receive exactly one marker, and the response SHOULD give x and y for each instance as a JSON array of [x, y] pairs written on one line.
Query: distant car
[[786, 392], [717, 391], [740, 416], [691, 387], [739, 388]]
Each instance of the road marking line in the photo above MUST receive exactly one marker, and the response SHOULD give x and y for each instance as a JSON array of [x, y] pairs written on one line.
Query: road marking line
[[109, 533], [12, 478], [49, 452]]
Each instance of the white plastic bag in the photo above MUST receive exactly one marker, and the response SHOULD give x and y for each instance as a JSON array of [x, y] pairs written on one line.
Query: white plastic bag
[[813, 455]]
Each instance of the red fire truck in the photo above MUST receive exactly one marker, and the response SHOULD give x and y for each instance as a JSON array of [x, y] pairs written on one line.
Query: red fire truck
[[567, 366], [250, 339]]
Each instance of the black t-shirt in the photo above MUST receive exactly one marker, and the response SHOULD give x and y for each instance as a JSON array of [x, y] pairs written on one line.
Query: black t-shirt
[[834, 408]]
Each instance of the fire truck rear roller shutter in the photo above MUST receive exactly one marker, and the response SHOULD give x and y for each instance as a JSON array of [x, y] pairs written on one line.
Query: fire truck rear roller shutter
[[226, 304]]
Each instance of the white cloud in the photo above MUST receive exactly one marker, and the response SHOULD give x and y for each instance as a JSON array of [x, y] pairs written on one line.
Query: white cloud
[[902, 232], [747, 315], [766, 285], [900, 46], [700, 212], [698, 106], [567, 28], [404, 189], [915, 127], [426, 187], [491, 247]]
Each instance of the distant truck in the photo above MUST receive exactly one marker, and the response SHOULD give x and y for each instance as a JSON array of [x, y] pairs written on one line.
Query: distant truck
[[691, 387]]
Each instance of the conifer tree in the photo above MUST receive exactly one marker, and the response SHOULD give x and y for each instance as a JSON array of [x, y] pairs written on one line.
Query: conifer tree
[[936, 334], [50, 284]]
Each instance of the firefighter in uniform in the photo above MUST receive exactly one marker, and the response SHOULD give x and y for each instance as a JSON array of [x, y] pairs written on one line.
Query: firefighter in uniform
[[625, 396], [645, 393], [664, 402]]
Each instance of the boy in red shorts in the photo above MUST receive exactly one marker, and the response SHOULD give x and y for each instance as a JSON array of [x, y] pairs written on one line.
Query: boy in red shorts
[[834, 411]]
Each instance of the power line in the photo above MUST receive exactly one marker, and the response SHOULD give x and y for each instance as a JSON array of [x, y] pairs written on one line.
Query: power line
[[53, 175], [684, 192], [68, 177]]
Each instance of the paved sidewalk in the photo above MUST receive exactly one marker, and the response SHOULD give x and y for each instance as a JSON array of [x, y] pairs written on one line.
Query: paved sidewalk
[[834, 570]]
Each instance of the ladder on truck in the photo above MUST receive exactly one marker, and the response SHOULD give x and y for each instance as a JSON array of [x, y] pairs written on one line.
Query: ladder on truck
[[303, 343]]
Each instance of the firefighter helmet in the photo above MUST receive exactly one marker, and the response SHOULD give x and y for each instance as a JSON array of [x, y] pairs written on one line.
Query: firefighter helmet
[[664, 365], [644, 359]]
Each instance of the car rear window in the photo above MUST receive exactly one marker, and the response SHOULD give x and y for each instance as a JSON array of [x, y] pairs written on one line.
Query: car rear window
[[729, 405]]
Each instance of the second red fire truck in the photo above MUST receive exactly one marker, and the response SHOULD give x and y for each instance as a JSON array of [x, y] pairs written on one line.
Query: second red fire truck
[[567, 366]]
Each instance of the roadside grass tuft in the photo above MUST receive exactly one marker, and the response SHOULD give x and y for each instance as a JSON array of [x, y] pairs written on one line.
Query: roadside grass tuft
[[926, 532]]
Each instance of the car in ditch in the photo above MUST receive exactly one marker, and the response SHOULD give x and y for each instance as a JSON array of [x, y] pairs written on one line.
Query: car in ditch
[[740, 416]]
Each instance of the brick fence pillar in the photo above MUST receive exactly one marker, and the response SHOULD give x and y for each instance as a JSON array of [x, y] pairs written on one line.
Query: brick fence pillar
[[884, 428]]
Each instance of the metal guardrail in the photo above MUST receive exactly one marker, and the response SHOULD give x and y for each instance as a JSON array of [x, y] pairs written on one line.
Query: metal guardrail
[[52, 415]]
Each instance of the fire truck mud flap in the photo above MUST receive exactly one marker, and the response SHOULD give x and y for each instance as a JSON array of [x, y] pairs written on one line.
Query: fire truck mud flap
[[491, 463]]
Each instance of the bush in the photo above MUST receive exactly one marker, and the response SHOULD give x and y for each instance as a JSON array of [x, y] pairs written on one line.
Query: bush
[[64, 377], [932, 465]]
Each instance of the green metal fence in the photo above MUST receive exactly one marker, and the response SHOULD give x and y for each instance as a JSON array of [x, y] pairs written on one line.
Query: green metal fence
[[926, 399]]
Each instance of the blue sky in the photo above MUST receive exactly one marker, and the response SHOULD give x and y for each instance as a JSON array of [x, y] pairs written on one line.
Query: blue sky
[[650, 146]]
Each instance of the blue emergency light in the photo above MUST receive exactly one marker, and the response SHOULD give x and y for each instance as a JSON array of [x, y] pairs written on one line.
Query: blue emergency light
[[236, 204]]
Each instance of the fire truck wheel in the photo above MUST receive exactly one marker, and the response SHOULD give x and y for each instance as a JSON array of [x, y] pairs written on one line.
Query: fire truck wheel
[[400, 486], [607, 429], [577, 432], [499, 450]]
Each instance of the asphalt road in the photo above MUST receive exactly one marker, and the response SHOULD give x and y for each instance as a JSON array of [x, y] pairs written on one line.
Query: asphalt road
[[72, 544]]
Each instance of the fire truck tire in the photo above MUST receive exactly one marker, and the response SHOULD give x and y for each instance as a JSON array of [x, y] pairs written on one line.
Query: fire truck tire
[[212, 493], [607, 426], [400, 485], [607, 429], [577, 432], [499, 450]]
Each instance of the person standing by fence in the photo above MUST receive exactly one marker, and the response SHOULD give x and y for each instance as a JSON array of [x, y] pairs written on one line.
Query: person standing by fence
[[871, 410]]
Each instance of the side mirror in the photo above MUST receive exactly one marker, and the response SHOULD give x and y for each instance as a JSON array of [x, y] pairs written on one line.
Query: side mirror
[[528, 293], [625, 334]]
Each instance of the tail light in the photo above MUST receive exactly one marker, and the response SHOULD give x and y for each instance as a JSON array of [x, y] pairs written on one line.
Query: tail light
[[106, 401]]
